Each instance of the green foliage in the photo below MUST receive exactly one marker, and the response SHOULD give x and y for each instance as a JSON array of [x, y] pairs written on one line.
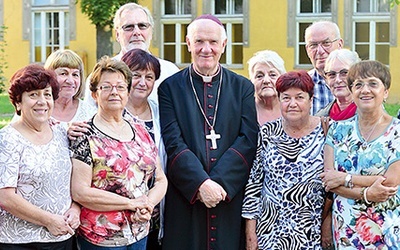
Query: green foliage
[[101, 12], [394, 3], [3, 60]]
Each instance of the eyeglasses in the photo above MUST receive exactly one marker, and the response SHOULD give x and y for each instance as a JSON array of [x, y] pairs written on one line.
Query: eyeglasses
[[331, 75], [360, 85], [131, 27], [326, 44], [108, 87]]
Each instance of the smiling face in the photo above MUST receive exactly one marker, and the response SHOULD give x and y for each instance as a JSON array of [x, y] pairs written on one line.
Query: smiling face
[[69, 80], [136, 38], [336, 80], [142, 84], [321, 39], [36, 106], [206, 45], [264, 78], [295, 104], [369, 93], [111, 99]]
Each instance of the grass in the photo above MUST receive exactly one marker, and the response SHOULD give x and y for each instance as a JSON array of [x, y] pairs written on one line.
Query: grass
[[7, 109]]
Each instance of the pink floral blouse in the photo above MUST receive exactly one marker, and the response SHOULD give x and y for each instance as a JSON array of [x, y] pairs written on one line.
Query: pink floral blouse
[[123, 168]]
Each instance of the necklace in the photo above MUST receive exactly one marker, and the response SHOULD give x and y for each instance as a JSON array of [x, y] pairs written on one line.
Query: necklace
[[365, 142], [212, 136]]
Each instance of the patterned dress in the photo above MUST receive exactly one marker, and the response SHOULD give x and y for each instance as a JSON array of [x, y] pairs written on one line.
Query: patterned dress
[[123, 168], [284, 193], [41, 174], [356, 224]]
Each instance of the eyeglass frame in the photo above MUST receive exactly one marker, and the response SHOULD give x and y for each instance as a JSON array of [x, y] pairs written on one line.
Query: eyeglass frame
[[131, 27], [360, 85], [119, 87], [330, 42], [342, 74]]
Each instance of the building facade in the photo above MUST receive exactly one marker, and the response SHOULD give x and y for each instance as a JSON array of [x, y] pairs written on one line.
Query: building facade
[[37, 27]]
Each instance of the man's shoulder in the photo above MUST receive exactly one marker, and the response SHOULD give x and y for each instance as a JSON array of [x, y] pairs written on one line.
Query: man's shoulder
[[168, 64]]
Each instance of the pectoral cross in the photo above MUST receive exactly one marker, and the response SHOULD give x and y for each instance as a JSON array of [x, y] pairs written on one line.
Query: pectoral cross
[[213, 137]]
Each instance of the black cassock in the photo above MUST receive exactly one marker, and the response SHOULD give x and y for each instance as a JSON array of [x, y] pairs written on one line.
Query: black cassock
[[189, 224]]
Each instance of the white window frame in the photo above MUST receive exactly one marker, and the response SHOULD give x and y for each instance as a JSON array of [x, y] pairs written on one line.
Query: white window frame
[[295, 18], [68, 32], [175, 19], [372, 18], [229, 19]]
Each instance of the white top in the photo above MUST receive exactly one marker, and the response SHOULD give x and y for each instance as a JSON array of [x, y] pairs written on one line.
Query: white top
[[41, 174]]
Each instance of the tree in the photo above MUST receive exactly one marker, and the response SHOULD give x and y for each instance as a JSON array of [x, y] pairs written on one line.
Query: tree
[[393, 3], [101, 14]]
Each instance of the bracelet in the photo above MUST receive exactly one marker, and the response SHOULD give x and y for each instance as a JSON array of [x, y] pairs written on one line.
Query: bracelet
[[365, 196], [348, 181]]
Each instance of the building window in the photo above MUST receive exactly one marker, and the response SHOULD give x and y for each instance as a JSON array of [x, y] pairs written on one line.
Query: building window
[[371, 29], [231, 14], [300, 16], [175, 17], [50, 27]]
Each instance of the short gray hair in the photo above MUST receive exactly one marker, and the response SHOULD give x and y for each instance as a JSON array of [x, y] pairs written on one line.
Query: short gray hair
[[268, 57], [345, 56], [131, 6]]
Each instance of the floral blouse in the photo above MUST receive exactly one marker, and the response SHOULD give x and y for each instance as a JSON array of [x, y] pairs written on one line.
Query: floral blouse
[[41, 174], [120, 167], [358, 225]]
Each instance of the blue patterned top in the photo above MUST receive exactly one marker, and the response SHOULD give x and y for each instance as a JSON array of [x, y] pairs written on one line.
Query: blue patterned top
[[284, 193], [358, 225]]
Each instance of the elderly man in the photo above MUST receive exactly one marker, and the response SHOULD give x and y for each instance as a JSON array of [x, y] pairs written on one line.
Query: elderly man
[[321, 38], [209, 127], [133, 26]]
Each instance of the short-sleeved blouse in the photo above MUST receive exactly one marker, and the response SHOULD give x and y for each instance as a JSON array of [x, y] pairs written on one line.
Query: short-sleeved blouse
[[358, 225], [41, 174], [120, 167], [284, 193]]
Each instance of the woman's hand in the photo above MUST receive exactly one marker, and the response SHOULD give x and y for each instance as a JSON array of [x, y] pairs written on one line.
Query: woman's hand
[[140, 203], [77, 129], [326, 232], [377, 192], [141, 216], [332, 179], [72, 216], [58, 226]]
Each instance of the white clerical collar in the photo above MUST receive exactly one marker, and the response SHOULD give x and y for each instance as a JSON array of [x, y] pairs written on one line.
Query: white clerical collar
[[207, 78]]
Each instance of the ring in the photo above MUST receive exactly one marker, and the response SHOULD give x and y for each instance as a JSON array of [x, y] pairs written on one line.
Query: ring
[[323, 184]]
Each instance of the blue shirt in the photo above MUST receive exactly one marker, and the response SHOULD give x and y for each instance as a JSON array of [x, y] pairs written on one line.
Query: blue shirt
[[322, 94]]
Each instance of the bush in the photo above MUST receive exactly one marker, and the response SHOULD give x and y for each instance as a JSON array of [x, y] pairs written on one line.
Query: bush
[[3, 61]]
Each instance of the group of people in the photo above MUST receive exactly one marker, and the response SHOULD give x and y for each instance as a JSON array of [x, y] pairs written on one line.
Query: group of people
[[200, 158]]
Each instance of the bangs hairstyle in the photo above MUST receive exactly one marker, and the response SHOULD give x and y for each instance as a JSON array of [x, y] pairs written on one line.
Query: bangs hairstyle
[[369, 68], [138, 59], [29, 78], [295, 79], [107, 64], [67, 59]]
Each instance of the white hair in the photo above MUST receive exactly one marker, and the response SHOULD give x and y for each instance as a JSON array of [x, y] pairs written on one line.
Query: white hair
[[268, 57]]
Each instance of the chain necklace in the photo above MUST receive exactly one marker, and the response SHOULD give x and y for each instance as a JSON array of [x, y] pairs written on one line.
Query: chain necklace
[[212, 136], [365, 142]]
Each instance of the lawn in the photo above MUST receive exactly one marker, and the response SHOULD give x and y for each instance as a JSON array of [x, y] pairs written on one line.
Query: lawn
[[7, 109]]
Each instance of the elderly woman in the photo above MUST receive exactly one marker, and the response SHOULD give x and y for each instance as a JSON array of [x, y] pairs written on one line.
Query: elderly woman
[[362, 165], [145, 70], [264, 69], [284, 194], [68, 67], [112, 164], [36, 209], [336, 67], [69, 107]]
